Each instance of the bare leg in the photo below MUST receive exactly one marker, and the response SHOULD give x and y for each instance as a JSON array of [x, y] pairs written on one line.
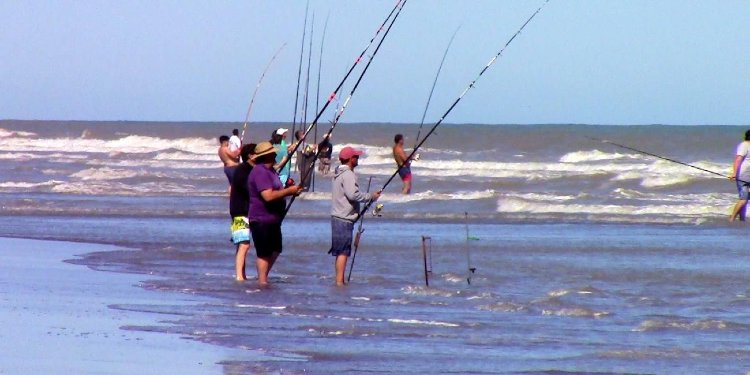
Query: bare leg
[[239, 261], [263, 265], [736, 210], [341, 269], [407, 187]]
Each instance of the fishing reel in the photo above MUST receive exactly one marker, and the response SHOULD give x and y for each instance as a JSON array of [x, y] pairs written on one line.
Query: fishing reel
[[377, 211], [417, 157]]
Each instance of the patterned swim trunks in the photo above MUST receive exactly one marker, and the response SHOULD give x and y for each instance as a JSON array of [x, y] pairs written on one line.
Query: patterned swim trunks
[[240, 230]]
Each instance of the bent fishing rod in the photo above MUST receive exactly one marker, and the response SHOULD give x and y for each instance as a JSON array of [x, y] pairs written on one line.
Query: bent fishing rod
[[257, 88], [346, 102], [343, 80], [299, 69], [664, 158], [452, 106], [317, 86], [434, 83]]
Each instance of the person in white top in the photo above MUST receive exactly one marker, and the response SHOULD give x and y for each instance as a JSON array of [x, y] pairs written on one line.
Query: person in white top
[[234, 141], [741, 174]]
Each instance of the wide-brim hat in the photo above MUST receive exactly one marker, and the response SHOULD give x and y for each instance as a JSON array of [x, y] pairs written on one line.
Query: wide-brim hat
[[264, 148]]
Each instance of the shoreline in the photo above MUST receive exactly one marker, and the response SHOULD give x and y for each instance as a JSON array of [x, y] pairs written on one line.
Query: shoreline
[[60, 320]]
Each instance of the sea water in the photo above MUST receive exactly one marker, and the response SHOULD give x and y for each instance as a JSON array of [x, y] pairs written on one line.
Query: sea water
[[588, 259]]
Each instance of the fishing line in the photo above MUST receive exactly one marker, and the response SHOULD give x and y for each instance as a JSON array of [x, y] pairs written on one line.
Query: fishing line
[[440, 121], [348, 98], [299, 70], [434, 83], [255, 93], [343, 80], [663, 158]]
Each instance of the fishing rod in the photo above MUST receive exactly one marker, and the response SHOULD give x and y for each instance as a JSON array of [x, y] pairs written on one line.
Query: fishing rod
[[434, 83], [299, 70], [469, 238], [348, 98], [343, 80], [257, 87], [357, 237], [663, 158], [440, 121], [307, 76], [317, 87]]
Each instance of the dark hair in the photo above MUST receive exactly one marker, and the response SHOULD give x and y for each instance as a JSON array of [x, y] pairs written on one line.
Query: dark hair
[[398, 138], [747, 135], [298, 134], [266, 158], [275, 138], [223, 139], [236, 132], [247, 151]]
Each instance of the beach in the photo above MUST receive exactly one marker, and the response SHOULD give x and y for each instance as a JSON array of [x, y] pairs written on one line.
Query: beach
[[57, 318]]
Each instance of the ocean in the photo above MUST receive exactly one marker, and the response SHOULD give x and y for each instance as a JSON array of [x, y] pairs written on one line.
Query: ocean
[[589, 258]]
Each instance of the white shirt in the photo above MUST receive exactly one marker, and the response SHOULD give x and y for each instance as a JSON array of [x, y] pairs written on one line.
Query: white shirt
[[234, 143]]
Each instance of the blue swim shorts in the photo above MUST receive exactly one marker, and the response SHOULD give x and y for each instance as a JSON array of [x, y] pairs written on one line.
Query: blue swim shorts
[[341, 237], [405, 173], [229, 172], [240, 230]]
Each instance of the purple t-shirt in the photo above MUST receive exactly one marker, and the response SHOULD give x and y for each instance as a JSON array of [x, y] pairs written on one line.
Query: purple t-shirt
[[260, 179]]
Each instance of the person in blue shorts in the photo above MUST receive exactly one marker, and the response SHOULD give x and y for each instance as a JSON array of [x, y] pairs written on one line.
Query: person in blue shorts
[[741, 174], [403, 163], [345, 198]]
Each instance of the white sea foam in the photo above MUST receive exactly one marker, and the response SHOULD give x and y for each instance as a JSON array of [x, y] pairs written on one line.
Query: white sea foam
[[241, 305], [596, 155], [692, 209], [421, 196], [423, 322]]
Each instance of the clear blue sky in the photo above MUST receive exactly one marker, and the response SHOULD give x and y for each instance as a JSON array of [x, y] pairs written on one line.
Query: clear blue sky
[[596, 62]]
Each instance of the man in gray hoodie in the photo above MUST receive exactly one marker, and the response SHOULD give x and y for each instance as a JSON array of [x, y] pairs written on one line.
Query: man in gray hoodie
[[345, 197]]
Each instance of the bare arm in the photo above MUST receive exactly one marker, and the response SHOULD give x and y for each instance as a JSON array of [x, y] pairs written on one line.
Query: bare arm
[[270, 195]]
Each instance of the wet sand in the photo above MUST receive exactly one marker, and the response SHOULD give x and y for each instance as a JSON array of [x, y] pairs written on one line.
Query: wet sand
[[56, 318]]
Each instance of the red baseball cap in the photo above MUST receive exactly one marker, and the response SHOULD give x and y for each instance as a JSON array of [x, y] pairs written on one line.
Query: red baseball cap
[[348, 152]]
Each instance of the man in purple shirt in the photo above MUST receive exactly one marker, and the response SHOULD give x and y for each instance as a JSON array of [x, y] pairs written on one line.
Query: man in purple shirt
[[266, 209]]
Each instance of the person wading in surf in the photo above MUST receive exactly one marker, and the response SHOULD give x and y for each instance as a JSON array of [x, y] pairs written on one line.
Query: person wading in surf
[[229, 158], [402, 162], [266, 210], [234, 141], [345, 200], [741, 174], [278, 139], [239, 200]]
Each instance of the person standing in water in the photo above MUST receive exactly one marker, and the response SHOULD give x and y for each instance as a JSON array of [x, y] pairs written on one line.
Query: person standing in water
[[234, 141], [266, 210], [345, 199], [239, 200], [278, 139], [229, 158], [741, 174], [402, 163]]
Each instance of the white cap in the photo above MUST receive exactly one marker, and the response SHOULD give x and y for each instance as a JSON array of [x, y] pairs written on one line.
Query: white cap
[[281, 131]]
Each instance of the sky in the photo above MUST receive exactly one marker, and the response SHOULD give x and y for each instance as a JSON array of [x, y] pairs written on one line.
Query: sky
[[589, 62]]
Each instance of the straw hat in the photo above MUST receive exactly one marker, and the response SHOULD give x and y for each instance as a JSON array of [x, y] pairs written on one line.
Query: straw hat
[[264, 148]]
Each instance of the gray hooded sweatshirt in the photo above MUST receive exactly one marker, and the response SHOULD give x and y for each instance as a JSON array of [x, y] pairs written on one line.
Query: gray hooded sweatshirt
[[345, 194]]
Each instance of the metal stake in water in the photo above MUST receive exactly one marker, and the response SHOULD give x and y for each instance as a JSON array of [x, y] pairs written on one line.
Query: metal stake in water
[[468, 250]]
